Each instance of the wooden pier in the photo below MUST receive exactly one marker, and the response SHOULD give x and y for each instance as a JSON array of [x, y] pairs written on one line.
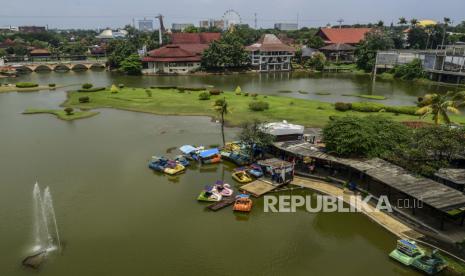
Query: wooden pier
[[259, 187], [223, 203]]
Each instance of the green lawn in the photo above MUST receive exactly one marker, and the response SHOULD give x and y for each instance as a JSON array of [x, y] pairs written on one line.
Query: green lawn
[[171, 102], [60, 114]]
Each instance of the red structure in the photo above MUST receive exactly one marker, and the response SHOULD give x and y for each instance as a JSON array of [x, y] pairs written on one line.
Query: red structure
[[349, 36]]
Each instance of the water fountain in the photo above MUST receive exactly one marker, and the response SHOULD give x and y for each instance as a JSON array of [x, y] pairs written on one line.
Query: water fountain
[[46, 237]]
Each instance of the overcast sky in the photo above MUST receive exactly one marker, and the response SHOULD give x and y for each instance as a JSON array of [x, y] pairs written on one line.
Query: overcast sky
[[94, 14]]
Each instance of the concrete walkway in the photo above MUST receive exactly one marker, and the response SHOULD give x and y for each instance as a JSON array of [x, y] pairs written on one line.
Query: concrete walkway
[[384, 219]]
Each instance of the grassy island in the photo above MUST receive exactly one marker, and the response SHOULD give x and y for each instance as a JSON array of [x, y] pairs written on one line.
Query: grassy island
[[172, 101], [61, 114]]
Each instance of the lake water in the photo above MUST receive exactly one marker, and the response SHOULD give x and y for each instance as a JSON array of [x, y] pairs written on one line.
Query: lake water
[[117, 217], [397, 92]]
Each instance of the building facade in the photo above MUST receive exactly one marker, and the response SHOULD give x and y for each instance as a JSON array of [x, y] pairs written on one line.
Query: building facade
[[183, 56], [270, 54], [180, 26], [32, 29], [286, 26]]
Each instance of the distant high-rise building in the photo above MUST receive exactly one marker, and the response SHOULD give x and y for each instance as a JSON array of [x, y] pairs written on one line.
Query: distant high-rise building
[[218, 23], [145, 25], [180, 26], [286, 26]]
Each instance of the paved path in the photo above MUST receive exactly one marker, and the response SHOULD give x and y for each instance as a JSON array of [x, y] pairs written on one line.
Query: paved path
[[384, 219]]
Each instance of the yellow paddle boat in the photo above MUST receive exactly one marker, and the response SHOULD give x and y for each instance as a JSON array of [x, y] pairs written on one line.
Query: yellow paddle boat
[[241, 177], [174, 168]]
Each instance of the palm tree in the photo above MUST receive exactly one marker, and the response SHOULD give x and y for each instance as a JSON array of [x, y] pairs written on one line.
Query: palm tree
[[447, 21], [222, 109], [440, 105], [402, 21], [413, 22], [429, 30]]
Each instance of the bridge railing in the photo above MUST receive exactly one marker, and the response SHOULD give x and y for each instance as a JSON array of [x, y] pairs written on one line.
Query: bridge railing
[[56, 59]]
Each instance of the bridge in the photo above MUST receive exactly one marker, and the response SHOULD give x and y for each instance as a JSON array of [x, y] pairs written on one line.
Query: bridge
[[74, 65]]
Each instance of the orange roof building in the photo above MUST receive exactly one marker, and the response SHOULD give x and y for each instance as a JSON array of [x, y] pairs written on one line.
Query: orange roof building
[[349, 36], [270, 54]]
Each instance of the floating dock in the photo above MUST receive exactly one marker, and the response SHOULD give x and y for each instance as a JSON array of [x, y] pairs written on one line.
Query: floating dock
[[223, 203], [258, 188]]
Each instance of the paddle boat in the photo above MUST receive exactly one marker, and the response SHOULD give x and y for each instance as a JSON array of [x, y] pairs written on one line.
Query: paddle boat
[[191, 152], [158, 163], [409, 254], [172, 168], [237, 158], [243, 203], [181, 159], [223, 189], [209, 194], [255, 170], [210, 156], [241, 176]]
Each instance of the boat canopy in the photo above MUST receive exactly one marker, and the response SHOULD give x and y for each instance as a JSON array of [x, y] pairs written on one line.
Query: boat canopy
[[243, 196], [186, 149], [209, 152], [282, 128]]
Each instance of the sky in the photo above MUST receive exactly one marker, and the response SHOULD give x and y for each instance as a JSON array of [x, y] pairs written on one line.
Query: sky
[[94, 14]]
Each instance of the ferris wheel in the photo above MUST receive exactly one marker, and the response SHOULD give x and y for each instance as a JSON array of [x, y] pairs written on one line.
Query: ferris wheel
[[231, 17]]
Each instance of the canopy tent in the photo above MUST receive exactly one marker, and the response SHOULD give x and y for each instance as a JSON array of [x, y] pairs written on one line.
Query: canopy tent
[[186, 149], [209, 152]]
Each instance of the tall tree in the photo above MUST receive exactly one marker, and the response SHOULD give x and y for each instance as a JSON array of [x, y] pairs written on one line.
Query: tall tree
[[402, 21], [367, 49], [225, 53], [222, 109]]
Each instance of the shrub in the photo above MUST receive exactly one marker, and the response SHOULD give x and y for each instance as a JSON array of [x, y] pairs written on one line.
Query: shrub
[[246, 94], [215, 91], [84, 99], [69, 110], [376, 107], [238, 90], [204, 96], [26, 84], [94, 89], [219, 102], [87, 86], [254, 95], [164, 87], [191, 88], [340, 106], [121, 85], [114, 89], [148, 92], [409, 110], [410, 71], [51, 85], [259, 106]]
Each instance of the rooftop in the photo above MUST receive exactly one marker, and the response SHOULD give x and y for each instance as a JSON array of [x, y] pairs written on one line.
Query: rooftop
[[171, 53], [343, 35], [456, 176], [338, 47], [428, 191], [270, 42], [194, 38]]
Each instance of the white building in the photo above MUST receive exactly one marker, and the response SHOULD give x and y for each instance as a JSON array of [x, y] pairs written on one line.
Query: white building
[[270, 54], [180, 26], [286, 26], [110, 34]]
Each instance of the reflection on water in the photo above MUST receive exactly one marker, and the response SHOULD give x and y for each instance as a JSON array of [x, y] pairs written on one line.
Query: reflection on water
[[398, 92]]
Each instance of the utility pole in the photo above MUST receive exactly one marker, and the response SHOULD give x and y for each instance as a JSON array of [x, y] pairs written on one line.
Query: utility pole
[[340, 22], [297, 20], [255, 21]]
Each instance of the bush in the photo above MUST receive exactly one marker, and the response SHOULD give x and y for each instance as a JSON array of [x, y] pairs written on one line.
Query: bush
[[342, 106], [410, 71], [191, 88], [114, 89], [254, 95], [259, 106], [69, 110], [26, 84], [246, 94], [238, 90], [219, 102], [215, 91], [94, 89], [371, 136], [148, 92], [84, 99], [51, 85], [121, 85], [376, 107], [164, 87], [204, 96], [87, 86]]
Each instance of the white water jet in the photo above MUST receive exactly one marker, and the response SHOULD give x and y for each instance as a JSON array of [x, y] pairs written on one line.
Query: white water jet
[[46, 237]]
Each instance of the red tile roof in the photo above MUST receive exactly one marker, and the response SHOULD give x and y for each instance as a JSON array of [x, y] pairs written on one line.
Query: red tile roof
[[194, 38], [171, 53], [39, 52], [343, 35]]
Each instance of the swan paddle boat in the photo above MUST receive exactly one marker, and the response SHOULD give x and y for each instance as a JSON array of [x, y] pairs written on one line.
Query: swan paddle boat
[[223, 189], [209, 194], [255, 170], [243, 203]]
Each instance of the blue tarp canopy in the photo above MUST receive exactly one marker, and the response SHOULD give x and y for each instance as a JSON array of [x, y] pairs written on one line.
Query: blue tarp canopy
[[209, 152], [187, 149]]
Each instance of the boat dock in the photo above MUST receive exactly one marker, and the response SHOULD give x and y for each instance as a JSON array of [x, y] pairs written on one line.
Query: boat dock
[[259, 187], [223, 203]]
